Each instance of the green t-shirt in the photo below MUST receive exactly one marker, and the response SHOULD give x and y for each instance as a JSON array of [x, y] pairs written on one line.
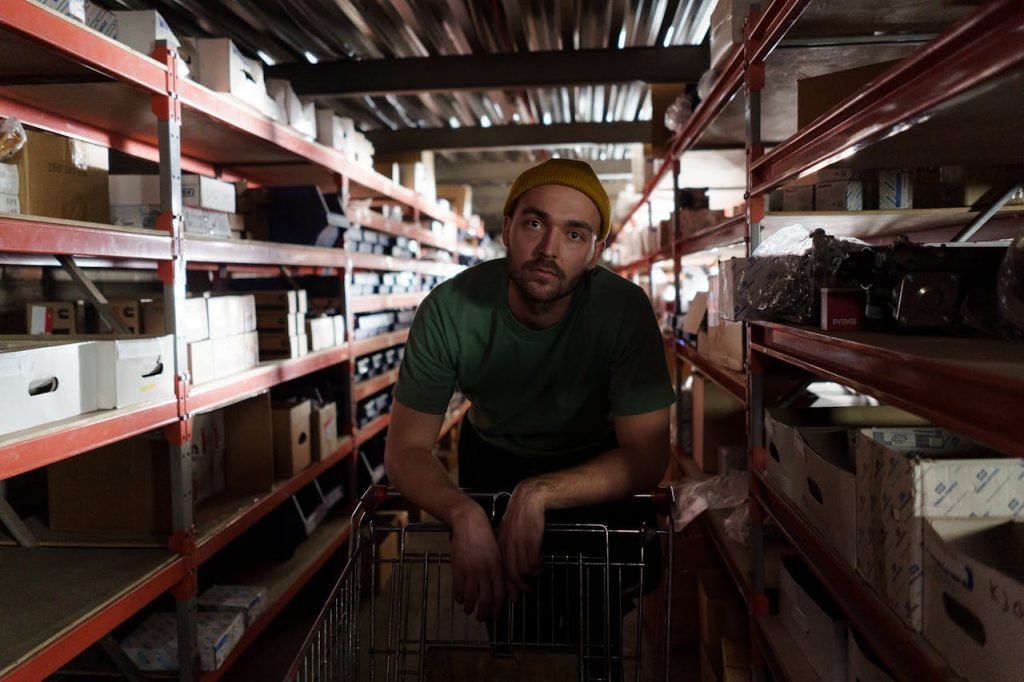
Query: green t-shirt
[[536, 393]]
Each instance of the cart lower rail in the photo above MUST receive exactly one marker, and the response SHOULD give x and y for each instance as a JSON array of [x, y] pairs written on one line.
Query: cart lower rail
[[392, 614]]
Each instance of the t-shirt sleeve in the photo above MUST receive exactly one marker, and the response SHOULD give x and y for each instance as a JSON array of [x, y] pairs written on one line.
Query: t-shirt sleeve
[[426, 379], [639, 376]]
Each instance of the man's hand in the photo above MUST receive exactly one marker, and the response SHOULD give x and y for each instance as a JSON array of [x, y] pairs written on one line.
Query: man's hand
[[477, 579], [522, 530]]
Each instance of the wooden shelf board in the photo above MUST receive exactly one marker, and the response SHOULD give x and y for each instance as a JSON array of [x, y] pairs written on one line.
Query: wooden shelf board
[[366, 304], [733, 382], [367, 388], [376, 343], [785, 659]]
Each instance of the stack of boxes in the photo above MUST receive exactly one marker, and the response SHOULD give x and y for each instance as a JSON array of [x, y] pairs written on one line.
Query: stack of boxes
[[340, 133], [368, 325], [374, 364], [232, 345], [209, 204], [280, 321]]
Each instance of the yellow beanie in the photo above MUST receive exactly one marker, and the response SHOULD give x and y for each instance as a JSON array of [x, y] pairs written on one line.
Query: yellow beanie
[[576, 174]]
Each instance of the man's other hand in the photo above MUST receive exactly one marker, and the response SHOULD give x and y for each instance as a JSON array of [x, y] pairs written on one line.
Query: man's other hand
[[477, 578], [522, 530]]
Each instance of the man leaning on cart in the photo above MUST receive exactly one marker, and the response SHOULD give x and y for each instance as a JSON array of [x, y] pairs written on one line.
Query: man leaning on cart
[[563, 363]]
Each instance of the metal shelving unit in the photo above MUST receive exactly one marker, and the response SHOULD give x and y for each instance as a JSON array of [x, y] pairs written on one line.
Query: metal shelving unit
[[953, 79], [63, 77]]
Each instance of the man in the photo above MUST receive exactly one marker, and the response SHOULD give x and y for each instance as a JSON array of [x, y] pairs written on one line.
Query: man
[[564, 366]]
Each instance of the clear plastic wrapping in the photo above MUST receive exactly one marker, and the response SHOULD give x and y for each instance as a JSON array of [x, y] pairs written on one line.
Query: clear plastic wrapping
[[12, 138], [718, 492], [679, 112], [737, 526], [1010, 287], [706, 83]]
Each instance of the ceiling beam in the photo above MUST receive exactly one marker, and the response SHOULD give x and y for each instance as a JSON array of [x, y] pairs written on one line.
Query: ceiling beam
[[509, 137], [505, 71], [504, 172]]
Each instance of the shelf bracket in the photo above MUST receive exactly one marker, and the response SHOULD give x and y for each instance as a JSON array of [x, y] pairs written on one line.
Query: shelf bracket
[[120, 659], [15, 526], [986, 214], [287, 277], [92, 293]]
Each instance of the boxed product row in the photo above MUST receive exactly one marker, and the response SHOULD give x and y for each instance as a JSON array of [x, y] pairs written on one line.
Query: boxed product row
[[209, 204], [869, 480], [372, 407], [238, 451], [382, 283], [368, 325], [43, 380], [369, 366], [365, 240]]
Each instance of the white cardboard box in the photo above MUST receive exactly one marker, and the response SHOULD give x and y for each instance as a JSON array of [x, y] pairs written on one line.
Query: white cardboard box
[[330, 131], [828, 492], [135, 216], [10, 204], [248, 600], [339, 329], [298, 114], [320, 331], [905, 475], [153, 646], [134, 370], [134, 190], [227, 315], [209, 193], [10, 181], [201, 365], [815, 622], [141, 29], [223, 68], [895, 189], [248, 303], [195, 324], [44, 383], [974, 595], [862, 665], [841, 195]]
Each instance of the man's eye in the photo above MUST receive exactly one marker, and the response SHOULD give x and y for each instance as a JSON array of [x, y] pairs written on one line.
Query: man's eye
[[575, 235], [534, 223]]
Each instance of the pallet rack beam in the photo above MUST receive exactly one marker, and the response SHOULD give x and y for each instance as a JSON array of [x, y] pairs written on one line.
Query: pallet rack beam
[[49, 236], [732, 381]]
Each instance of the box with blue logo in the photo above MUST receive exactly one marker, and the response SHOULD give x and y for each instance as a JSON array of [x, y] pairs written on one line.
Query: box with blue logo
[[153, 647]]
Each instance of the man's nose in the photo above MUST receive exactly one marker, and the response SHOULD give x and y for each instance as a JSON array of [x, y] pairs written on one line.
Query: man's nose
[[546, 244]]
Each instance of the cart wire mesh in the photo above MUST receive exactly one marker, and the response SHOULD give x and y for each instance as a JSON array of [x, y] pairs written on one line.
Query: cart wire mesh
[[392, 615]]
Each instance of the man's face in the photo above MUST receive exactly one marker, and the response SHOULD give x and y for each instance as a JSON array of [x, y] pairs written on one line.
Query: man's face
[[551, 241]]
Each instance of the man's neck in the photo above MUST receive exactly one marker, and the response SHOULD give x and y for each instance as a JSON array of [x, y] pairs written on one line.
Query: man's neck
[[537, 315]]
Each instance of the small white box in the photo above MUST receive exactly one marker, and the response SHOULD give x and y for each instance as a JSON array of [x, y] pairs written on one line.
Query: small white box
[[906, 475], [193, 318], [895, 189], [99, 19], [330, 131], [208, 193], [863, 665], [10, 181], [298, 114], [153, 647], [135, 216], [44, 383], [974, 595], [134, 370], [813, 619], [141, 29], [10, 204], [134, 190], [320, 331], [339, 329], [248, 600], [201, 365], [227, 315], [250, 349], [229, 355], [223, 68], [69, 8]]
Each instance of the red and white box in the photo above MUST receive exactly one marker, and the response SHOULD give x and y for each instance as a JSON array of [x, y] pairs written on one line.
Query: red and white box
[[842, 310]]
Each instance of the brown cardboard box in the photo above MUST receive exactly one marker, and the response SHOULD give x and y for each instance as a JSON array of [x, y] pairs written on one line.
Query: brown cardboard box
[[718, 419], [735, 660], [815, 96], [122, 487], [249, 457], [726, 344], [128, 311], [459, 196], [292, 441], [63, 178], [59, 317], [325, 431]]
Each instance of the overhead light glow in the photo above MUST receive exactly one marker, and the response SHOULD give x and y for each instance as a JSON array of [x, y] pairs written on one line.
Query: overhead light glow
[[622, 37], [668, 36], [454, 122], [267, 59], [485, 122], [515, 116], [546, 118], [310, 57]]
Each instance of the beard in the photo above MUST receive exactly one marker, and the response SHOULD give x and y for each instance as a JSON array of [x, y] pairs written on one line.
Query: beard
[[540, 291]]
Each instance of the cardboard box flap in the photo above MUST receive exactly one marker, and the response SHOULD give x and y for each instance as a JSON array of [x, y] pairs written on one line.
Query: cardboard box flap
[[696, 313]]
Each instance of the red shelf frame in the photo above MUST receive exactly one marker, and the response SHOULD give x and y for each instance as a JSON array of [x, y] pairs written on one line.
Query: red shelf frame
[[226, 531], [378, 383], [727, 233], [47, 236], [904, 651], [977, 50], [372, 429], [64, 439], [366, 304], [232, 389], [49, 658], [733, 382], [916, 383], [376, 343]]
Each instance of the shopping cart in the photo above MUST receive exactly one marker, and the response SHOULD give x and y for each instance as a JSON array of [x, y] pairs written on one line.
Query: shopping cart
[[392, 616]]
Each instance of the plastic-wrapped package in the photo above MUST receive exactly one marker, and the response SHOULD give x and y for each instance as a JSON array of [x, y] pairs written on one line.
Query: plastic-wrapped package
[[737, 526], [12, 138], [782, 280], [1010, 287], [706, 83], [718, 492], [679, 112]]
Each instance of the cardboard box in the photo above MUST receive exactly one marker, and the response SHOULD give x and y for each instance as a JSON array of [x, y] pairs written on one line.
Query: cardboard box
[[722, 614], [200, 221], [974, 595], [785, 466], [221, 67], [320, 331], [140, 30], [124, 487], [128, 312], [58, 317], [906, 475], [100, 19], [74, 9], [291, 300], [727, 345], [828, 494], [842, 309], [895, 189], [292, 438], [798, 199], [248, 600], [193, 318], [201, 365], [844, 195], [10, 204], [229, 355], [726, 30], [63, 178], [208, 193], [718, 419], [816, 623], [863, 664], [278, 321], [208, 447], [134, 370], [298, 114], [134, 190], [9, 180], [282, 345], [153, 646], [459, 196], [41, 384], [819, 94], [339, 329], [325, 431], [695, 315], [249, 454], [330, 130], [227, 316]]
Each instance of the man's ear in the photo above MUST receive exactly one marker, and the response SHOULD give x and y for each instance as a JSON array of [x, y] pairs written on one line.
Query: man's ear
[[506, 226], [596, 258]]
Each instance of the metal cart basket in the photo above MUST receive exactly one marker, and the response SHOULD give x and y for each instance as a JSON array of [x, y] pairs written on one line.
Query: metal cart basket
[[391, 616]]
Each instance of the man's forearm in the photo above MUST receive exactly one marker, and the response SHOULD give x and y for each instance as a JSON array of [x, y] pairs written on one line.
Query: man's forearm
[[421, 479]]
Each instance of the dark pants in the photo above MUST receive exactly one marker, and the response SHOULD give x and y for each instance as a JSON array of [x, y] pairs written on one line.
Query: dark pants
[[593, 571]]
